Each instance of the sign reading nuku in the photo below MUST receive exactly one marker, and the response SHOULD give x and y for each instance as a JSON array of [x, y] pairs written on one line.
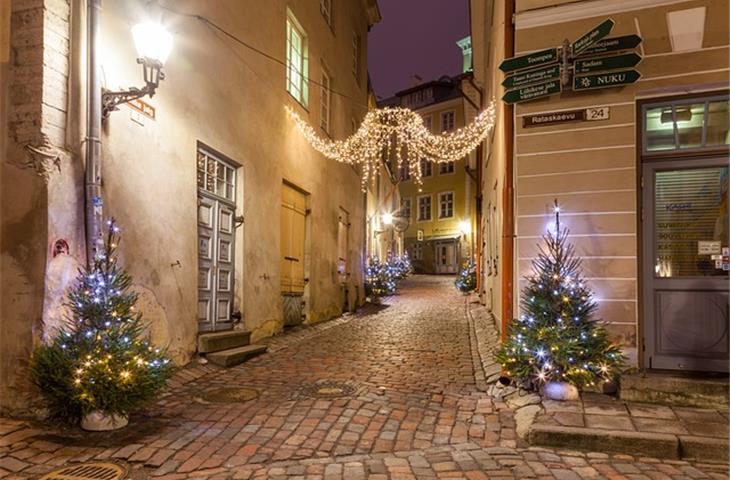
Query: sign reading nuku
[[604, 80]]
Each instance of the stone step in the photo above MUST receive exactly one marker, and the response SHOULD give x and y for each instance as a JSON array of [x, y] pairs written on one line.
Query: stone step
[[675, 389], [234, 356], [217, 341]]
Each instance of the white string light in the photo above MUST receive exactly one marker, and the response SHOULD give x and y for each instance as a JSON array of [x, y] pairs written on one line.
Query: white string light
[[398, 133]]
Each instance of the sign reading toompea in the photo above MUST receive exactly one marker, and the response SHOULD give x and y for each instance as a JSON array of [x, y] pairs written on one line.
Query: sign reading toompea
[[535, 59]]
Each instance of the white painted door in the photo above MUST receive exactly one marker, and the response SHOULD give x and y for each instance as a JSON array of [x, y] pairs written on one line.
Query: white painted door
[[446, 257]]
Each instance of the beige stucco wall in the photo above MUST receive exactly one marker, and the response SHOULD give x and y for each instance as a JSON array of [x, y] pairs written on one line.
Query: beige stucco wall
[[216, 92], [591, 168]]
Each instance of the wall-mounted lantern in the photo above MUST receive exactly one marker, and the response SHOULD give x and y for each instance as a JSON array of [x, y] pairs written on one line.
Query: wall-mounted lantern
[[153, 44]]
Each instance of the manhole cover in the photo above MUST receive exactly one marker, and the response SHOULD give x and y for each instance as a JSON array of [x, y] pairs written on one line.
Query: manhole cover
[[87, 471], [327, 389], [231, 395]]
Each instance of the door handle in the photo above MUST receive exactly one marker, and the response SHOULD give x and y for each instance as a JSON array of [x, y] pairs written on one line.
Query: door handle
[[293, 259]]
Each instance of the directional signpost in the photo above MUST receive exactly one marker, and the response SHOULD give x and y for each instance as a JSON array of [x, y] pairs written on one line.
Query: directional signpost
[[604, 80], [613, 44], [532, 76], [540, 74], [599, 64], [532, 92], [592, 37], [531, 60]]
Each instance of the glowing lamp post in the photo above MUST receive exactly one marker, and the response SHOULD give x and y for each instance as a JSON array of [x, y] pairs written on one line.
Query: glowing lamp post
[[153, 44]]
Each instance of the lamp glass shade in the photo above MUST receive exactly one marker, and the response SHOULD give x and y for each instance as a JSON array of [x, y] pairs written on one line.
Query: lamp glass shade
[[152, 41], [388, 218]]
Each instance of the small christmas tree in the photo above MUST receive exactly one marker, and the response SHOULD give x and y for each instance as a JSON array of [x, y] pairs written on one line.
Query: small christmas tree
[[379, 278], [555, 337], [100, 361], [401, 265], [466, 281]]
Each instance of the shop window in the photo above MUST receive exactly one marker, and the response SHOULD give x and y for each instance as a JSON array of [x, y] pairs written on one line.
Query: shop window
[[690, 124]]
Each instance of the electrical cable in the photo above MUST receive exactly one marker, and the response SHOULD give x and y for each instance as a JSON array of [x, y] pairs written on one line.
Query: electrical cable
[[214, 26]]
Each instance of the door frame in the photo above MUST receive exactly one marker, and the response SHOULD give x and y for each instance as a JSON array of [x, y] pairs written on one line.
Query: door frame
[[647, 297]]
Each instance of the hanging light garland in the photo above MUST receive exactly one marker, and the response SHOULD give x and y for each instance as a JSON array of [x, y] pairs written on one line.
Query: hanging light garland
[[398, 133]]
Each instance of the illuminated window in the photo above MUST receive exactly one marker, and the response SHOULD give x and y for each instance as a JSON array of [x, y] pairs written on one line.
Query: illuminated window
[[446, 205], [296, 60], [326, 94], [424, 208]]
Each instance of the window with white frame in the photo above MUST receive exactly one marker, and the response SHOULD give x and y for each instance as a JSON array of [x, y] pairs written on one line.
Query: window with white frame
[[356, 47], [424, 208], [325, 7], [446, 168], [297, 68], [446, 205], [448, 121], [216, 176], [325, 101], [417, 251], [405, 208], [426, 168]]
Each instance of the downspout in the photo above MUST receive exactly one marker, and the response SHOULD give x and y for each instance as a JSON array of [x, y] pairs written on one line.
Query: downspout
[[93, 210], [508, 227]]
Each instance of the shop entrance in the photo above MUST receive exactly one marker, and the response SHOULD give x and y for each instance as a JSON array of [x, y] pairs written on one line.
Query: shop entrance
[[686, 283]]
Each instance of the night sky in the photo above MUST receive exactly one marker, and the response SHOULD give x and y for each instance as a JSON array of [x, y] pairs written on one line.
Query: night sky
[[416, 37]]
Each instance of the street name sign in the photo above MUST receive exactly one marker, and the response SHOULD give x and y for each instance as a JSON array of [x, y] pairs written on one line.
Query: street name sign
[[615, 62], [592, 37], [605, 80], [532, 76], [535, 59], [565, 116], [532, 92], [613, 44]]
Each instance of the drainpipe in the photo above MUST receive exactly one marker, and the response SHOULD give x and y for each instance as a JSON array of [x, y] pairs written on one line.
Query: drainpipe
[[508, 226], [93, 210]]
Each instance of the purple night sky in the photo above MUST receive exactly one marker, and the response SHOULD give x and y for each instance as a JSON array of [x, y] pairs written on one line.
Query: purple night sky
[[415, 37]]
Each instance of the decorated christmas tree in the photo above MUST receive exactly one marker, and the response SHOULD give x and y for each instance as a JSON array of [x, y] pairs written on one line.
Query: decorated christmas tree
[[401, 265], [101, 360], [466, 280], [380, 278], [556, 338]]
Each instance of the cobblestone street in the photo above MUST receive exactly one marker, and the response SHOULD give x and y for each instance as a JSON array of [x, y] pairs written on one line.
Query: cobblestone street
[[386, 393]]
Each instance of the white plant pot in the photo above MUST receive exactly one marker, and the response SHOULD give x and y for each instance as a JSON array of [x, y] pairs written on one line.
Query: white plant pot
[[560, 391], [98, 421]]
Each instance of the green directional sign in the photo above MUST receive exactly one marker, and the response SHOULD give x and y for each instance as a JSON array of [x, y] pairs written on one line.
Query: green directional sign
[[598, 64], [535, 59], [605, 80], [532, 76], [613, 44], [592, 37], [532, 92]]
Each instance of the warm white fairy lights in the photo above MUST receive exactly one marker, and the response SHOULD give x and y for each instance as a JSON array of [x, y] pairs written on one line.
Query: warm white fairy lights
[[399, 133]]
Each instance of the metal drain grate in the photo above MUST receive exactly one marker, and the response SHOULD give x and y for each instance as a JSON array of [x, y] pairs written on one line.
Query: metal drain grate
[[87, 471], [327, 389], [231, 395]]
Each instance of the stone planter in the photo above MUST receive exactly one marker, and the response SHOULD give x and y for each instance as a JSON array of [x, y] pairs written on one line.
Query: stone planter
[[98, 421], [560, 391]]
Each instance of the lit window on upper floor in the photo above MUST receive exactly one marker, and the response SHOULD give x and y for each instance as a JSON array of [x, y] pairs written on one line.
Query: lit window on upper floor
[[297, 67]]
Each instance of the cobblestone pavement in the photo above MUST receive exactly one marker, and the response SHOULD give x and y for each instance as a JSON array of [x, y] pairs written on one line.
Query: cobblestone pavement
[[412, 411]]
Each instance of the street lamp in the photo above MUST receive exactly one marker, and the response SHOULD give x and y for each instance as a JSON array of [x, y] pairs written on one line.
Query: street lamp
[[387, 218], [153, 44], [464, 227]]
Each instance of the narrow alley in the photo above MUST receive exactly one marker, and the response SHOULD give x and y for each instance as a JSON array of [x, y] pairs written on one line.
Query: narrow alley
[[368, 395]]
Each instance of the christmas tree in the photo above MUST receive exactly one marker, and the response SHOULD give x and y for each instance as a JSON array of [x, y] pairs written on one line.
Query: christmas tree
[[379, 278], [466, 281], [556, 337], [101, 359]]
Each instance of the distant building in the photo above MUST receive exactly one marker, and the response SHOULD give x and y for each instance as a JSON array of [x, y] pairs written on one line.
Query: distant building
[[440, 213]]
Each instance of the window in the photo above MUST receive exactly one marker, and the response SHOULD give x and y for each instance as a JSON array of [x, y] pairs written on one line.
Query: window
[[215, 176], [448, 121], [694, 123], [297, 70], [417, 251], [426, 168], [404, 172], [427, 122], [356, 55], [424, 208], [405, 208], [446, 168], [326, 93], [446, 205], [325, 7]]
